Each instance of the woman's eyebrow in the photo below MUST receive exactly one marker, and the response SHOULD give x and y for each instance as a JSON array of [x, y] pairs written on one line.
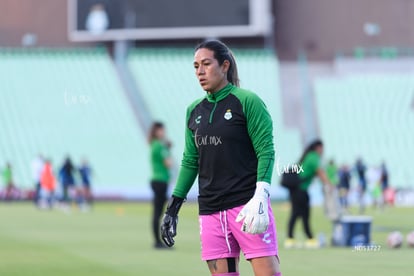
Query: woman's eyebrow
[[203, 60]]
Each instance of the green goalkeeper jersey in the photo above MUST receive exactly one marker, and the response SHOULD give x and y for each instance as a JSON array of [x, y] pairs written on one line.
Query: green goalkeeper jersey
[[229, 145]]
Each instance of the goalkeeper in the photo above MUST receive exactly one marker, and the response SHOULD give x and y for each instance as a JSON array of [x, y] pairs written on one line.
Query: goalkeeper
[[229, 145]]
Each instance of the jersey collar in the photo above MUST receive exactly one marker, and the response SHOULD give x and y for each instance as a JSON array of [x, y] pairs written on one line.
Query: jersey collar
[[221, 94]]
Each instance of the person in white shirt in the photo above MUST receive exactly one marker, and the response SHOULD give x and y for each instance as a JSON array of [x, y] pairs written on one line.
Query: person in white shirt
[[97, 21]]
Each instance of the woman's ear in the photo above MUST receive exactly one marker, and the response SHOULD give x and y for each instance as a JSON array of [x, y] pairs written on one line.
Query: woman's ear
[[225, 66]]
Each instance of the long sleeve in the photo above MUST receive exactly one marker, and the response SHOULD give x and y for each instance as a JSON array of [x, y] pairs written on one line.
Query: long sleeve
[[260, 129], [189, 164]]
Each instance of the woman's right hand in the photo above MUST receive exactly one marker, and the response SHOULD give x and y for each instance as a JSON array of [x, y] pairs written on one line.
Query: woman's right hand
[[170, 221], [169, 229]]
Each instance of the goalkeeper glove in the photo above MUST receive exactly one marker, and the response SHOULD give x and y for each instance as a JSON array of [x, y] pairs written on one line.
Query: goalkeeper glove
[[170, 220], [255, 212]]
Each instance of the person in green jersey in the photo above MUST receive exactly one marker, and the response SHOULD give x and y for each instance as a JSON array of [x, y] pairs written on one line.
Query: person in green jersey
[[8, 181], [161, 164], [299, 198]]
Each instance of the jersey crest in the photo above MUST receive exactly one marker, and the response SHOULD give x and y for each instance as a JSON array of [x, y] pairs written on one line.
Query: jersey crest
[[228, 115]]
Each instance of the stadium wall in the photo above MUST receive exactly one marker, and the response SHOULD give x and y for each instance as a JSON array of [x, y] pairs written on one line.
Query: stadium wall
[[321, 27], [46, 19], [324, 27]]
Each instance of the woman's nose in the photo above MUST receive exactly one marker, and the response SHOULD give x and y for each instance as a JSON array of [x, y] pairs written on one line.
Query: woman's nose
[[200, 70]]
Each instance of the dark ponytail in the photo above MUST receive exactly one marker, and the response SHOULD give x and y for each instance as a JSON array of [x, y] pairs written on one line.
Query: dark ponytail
[[311, 147], [222, 53]]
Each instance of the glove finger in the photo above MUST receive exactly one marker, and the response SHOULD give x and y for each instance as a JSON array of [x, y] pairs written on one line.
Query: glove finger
[[169, 241], [257, 226], [163, 230], [247, 223], [259, 229], [241, 214], [165, 235], [172, 231], [265, 226], [254, 225], [262, 226]]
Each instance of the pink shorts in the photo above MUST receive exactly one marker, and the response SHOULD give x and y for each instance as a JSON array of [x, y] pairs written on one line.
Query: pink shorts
[[221, 237]]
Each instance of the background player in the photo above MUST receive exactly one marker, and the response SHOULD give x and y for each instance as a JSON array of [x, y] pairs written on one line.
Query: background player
[[299, 198], [161, 163]]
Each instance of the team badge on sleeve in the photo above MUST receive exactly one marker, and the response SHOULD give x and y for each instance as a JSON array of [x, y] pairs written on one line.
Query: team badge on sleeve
[[228, 114]]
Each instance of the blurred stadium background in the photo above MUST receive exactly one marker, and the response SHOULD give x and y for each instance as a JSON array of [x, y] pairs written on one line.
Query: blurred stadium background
[[76, 81], [339, 70]]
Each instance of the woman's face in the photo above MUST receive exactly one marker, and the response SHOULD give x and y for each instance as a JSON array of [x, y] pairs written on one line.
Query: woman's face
[[210, 74], [160, 133], [319, 150]]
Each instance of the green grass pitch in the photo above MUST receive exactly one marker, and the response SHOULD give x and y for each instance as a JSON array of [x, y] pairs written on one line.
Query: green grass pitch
[[115, 239]]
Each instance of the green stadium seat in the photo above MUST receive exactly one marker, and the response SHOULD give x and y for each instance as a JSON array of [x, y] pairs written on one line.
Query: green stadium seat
[[369, 115], [59, 102]]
